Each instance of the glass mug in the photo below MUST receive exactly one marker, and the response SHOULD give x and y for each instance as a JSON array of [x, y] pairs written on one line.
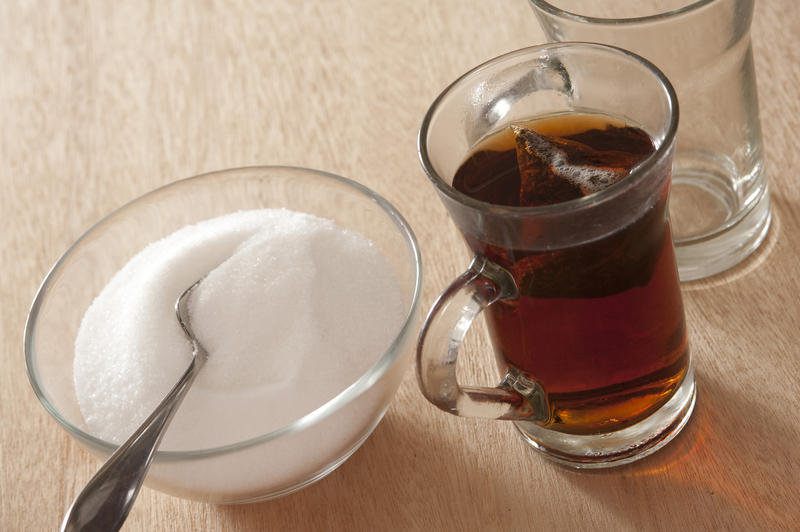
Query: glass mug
[[582, 297]]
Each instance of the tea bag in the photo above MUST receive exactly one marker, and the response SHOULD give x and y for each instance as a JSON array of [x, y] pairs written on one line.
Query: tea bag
[[555, 169]]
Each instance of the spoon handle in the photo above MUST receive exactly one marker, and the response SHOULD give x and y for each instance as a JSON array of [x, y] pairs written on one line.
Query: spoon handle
[[106, 500]]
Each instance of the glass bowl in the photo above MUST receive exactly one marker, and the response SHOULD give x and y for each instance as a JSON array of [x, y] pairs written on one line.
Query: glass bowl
[[272, 464]]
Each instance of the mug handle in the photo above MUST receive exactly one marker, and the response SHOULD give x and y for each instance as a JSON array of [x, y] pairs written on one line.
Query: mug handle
[[517, 397]]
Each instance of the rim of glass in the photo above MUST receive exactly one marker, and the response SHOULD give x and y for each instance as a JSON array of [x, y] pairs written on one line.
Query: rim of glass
[[353, 391], [637, 174], [563, 13]]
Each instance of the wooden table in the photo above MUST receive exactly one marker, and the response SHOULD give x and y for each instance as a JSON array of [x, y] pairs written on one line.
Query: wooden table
[[103, 101]]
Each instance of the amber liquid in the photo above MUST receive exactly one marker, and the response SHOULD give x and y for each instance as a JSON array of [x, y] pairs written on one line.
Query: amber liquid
[[599, 326]]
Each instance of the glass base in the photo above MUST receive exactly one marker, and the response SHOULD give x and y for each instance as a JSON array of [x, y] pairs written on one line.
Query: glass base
[[714, 225], [620, 447]]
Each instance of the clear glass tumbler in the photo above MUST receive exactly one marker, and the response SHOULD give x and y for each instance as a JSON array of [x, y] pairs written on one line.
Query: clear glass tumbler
[[720, 203]]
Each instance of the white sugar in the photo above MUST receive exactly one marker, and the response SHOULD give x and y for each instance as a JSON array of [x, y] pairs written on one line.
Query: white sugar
[[294, 310]]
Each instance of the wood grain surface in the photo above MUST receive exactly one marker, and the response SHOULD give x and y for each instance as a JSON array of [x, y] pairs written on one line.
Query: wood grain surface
[[103, 101]]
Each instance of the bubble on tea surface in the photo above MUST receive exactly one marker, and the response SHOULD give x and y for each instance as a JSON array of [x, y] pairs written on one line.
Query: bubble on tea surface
[[556, 169]]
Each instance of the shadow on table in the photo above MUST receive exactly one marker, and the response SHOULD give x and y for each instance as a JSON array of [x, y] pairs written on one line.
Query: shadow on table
[[718, 474], [410, 476]]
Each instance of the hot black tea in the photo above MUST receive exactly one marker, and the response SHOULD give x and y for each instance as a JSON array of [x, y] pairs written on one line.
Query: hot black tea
[[598, 325]]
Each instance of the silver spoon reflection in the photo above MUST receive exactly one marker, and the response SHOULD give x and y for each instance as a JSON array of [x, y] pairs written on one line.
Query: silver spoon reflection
[[105, 501]]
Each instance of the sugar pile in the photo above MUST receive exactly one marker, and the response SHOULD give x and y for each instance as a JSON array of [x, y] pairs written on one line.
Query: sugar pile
[[294, 309]]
